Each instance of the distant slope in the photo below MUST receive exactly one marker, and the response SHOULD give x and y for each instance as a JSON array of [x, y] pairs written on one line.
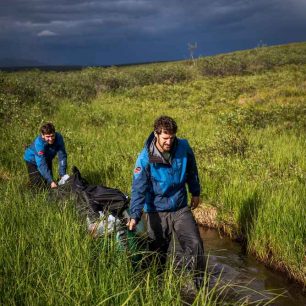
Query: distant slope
[[19, 62]]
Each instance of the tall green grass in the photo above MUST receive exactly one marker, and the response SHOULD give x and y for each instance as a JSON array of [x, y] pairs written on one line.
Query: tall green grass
[[247, 129], [47, 258]]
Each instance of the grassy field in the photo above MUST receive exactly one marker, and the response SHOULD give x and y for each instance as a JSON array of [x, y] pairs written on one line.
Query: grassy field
[[245, 117]]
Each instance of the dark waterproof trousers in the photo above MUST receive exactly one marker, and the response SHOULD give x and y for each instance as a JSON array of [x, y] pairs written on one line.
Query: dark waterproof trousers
[[161, 227], [36, 179]]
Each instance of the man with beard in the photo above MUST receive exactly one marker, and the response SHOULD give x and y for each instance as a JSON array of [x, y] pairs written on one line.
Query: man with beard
[[163, 169]]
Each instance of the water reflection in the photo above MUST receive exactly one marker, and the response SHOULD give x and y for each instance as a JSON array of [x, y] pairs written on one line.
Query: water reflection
[[227, 257]]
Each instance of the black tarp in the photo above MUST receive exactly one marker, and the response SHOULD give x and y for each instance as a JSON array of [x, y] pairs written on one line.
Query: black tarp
[[91, 199]]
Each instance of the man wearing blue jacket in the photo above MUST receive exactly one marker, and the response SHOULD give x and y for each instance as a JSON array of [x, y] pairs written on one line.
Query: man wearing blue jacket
[[163, 168], [39, 155]]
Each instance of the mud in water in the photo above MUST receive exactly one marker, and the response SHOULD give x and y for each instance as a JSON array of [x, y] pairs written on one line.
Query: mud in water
[[227, 263]]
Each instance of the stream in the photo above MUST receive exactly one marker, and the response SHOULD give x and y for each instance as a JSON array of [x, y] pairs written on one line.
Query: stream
[[227, 263]]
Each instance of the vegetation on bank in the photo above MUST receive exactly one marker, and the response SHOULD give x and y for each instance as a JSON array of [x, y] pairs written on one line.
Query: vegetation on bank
[[244, 114]]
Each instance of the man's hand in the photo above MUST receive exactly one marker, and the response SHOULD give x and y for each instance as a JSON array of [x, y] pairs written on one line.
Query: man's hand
[[131, 224], [53, 185], [194, 202]]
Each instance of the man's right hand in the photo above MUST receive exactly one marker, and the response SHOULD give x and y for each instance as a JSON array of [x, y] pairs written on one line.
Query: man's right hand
[[131, 224], [53, 185]]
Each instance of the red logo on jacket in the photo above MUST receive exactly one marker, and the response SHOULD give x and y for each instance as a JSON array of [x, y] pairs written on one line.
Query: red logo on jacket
[[137, 170]]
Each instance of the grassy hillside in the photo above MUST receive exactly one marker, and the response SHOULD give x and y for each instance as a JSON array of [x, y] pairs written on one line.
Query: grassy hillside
[[244, 114]]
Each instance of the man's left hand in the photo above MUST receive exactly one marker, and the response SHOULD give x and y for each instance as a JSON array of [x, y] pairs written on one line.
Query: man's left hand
[[194, 202], [53, 185]]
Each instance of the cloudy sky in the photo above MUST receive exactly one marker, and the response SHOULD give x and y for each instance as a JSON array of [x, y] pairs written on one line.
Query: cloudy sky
[[110, 32]]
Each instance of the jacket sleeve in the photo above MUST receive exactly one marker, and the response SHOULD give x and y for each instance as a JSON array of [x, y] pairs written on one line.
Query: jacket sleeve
[[140, 186], [193, 181], [41, 162], [62, 156]]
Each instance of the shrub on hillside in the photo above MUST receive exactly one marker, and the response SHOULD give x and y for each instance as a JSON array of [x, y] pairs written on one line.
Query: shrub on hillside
[[232, 142], [222, 66], [286, 116], [252, 61], [161, 74]]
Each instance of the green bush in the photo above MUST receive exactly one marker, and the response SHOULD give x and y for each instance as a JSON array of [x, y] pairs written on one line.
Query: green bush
[[253, 61]]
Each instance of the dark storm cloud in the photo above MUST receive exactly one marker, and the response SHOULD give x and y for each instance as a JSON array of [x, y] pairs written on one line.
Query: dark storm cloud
[[74, 17], [53, 27]]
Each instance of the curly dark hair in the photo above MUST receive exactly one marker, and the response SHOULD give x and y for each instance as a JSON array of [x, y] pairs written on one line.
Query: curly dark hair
[[47, 128], [165, 123]]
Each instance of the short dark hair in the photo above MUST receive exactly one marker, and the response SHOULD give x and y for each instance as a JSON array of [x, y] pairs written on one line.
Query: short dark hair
[[165, 123], [47, 128]]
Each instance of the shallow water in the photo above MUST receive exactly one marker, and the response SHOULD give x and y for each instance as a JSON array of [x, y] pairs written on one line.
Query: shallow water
[[227, 260]]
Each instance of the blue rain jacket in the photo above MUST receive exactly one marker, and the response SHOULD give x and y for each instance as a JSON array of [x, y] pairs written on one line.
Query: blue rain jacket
[[159, 185], [41, 154]]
